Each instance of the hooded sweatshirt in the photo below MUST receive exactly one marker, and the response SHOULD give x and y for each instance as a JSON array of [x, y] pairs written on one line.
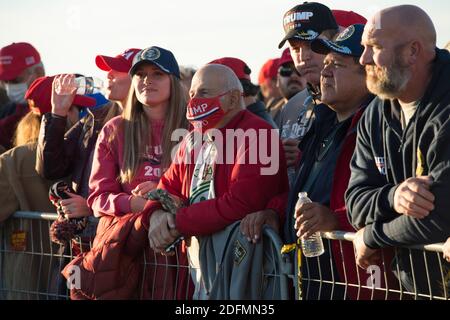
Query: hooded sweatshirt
[[386, 155], [108, 196]]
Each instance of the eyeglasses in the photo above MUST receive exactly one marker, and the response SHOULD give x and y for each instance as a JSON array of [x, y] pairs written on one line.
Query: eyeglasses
[[287, 71]]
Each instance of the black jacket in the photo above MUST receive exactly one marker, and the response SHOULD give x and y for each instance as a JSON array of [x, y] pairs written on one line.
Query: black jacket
[[60, 155], [258, 108], [324, 120], [385, 156]]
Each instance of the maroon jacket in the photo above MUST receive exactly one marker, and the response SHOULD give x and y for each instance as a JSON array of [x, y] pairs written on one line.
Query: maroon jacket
[[337, 205], [115, 267]]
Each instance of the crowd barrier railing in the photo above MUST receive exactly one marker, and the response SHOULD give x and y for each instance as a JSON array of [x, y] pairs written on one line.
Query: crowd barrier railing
[[30, 266]]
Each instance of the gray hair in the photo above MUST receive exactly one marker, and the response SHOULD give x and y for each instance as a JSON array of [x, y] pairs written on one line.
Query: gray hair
[[36, 66]]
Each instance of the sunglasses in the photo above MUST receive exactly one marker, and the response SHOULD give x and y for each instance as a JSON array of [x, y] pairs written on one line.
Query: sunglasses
[[287, 71]]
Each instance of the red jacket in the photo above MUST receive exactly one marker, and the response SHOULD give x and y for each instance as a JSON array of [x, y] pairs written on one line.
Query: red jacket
[[240, 188], [337, 205]]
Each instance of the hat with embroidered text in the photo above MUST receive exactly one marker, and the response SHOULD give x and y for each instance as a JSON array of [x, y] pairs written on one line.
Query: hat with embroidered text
[[348, 42], [15, 58], [121, 62], [162, 58], [307, 21]]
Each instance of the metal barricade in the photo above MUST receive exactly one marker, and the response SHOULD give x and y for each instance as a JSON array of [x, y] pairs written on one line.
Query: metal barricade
[[29, 261], [30, 268], [414, 272], [33, 271]]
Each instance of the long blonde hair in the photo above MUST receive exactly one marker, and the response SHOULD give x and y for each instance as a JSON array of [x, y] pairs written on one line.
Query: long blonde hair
[[28, 129], [136, 128]]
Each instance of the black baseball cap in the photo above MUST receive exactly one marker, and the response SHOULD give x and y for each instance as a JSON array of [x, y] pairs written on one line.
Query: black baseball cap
[[307, 21], [348, 42], [162, 58]]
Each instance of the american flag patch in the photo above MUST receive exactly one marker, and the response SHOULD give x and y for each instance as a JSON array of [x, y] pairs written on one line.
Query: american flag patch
[[381, 165]]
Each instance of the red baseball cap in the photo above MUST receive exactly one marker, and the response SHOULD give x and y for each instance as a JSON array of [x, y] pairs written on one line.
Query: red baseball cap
[[15, 58], [239, 67], [39, 96], [268, 70], [122, 62], [285, 57], [347, 18]]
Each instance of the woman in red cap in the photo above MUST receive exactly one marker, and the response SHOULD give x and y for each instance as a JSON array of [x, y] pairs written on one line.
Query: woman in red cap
[[24, 190]]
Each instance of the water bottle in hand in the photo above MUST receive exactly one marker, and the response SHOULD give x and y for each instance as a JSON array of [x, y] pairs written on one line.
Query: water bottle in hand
[[312, 246], [89, 85], [82, 85]]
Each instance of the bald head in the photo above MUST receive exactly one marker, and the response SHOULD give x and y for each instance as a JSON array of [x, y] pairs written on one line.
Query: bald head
[[218, 76], [213, 80], [405, 23], [399, 48]]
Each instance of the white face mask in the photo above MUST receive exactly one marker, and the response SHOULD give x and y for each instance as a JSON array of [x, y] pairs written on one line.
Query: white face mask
[[16, 92]]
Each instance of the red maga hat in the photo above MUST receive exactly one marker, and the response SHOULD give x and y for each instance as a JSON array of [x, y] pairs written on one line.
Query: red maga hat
[[15, 58], [40, 95], [239, 67], [347, 18], [269, 70], [122, 62]]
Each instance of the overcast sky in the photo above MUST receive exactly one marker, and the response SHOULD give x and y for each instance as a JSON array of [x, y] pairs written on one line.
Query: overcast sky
[[69, 34]]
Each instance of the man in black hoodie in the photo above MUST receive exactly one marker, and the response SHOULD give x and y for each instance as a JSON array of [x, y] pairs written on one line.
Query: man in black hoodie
[[400, 183]]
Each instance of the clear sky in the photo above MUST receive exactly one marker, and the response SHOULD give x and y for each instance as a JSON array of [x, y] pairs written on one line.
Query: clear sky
[[69, 34]]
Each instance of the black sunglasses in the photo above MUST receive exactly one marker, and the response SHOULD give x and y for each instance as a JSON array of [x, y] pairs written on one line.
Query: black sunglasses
[[287, 71]]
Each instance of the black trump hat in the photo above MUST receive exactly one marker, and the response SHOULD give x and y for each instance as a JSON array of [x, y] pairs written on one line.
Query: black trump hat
[[307, 21]]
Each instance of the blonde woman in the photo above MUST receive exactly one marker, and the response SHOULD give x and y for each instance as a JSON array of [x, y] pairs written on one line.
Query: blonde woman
[[132, 152], [134, 149]]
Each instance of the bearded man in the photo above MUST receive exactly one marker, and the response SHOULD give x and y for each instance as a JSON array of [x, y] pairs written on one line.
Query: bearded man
[[399, 188]]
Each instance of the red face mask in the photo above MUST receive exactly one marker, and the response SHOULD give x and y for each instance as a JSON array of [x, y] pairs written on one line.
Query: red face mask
[[204, 113]]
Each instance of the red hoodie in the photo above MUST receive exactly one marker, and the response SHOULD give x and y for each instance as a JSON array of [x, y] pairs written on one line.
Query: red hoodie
[[113, 268], [240, 188], [108, 196]]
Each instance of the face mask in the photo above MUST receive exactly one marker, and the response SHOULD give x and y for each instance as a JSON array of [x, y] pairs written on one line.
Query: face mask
[[205, 113], [16, 92]]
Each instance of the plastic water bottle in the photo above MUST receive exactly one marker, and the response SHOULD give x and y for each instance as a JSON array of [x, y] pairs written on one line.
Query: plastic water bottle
[[89, 85], [289, 133], [84, 85], [312, 246]]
